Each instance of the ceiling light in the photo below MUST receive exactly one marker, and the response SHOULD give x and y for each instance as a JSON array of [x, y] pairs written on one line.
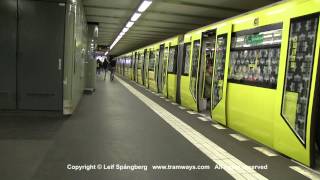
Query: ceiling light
[[135, 16], [129, 24], [144, 5]]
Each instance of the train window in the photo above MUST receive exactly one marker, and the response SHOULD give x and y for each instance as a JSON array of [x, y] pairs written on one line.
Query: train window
[[131, 62], [151, 61], [165, 63], [255, 55], [186, 59], [156, 61], [140, 60], [172, 61], [300, 61], [218, 72], [194, 67], [146, 59], [128, 64]]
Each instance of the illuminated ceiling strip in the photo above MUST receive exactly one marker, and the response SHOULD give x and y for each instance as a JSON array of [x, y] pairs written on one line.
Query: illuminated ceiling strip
[[136, 15]]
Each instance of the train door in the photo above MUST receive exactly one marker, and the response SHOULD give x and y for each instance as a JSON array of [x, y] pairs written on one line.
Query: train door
[[144, 66], [8, 30], [164, 71], [139, 67], [152, 69], [300, 98], [194, 68], [172, 72], [160, 69], [132, 66], [219, 78], [135, 73], [206, 70], [156, 69], [179, 71], [315, 124], [40, 57], [123, 65]]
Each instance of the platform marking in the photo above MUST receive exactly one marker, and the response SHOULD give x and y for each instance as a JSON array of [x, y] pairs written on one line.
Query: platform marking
[[313, 171], [266, 151], [203, 119], [205, 115], [181, 107], [221, 157], [305, 172], [238, 137], [218, 126], [192, 112]]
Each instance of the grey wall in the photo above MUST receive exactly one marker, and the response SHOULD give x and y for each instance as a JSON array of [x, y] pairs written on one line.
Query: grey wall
[[8, 38], [75, 55], [43, 48]]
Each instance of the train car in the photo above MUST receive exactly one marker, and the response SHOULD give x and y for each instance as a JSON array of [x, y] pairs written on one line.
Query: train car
[[271, 74], [256, 73]]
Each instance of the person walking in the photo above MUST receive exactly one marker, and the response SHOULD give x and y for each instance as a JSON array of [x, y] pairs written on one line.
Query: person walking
[[99, 66], [105, 67], [112, 68]]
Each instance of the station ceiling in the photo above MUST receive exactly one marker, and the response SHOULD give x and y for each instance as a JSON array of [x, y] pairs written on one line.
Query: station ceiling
[[163, 19]]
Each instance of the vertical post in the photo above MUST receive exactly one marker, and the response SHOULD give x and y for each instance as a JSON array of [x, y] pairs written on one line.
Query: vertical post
[[90, 63]]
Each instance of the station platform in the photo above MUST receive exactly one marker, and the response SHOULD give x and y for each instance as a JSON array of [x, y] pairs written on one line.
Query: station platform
[[123, 123]]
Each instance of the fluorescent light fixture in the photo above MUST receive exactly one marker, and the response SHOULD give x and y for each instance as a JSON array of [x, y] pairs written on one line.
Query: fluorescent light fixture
[[135, 16], [125, 29], [144, 5], [129, 24]]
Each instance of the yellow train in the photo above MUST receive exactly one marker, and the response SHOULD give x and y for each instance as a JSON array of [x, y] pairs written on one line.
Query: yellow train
[[256, 73]]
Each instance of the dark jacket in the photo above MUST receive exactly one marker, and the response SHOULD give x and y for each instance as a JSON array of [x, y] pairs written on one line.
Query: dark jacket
[[105, 64], [112, 63]]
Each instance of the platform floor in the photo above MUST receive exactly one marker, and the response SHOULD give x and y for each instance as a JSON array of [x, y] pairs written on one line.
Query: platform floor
[[117, 125]]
